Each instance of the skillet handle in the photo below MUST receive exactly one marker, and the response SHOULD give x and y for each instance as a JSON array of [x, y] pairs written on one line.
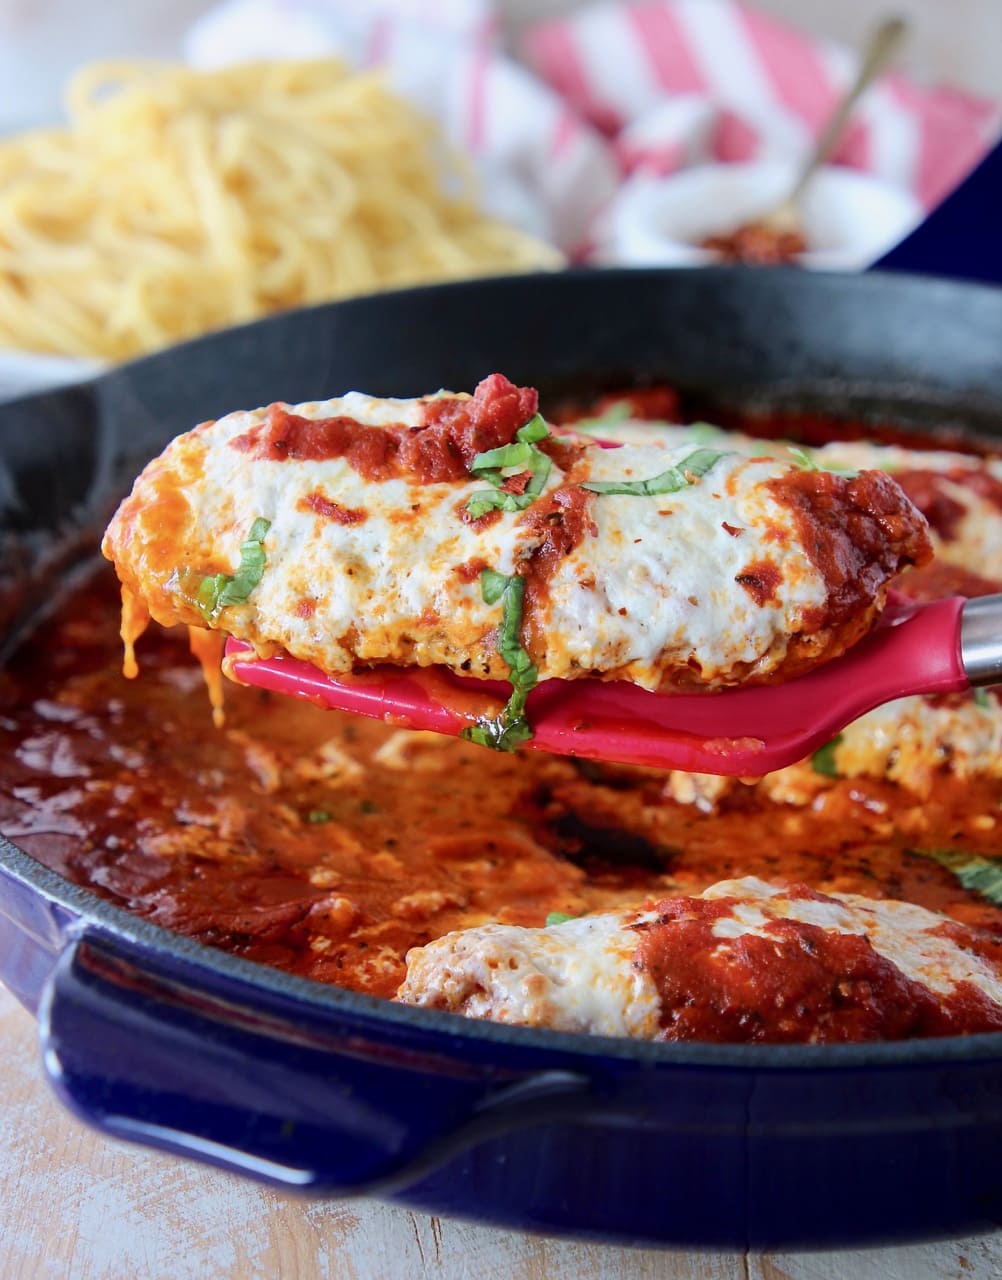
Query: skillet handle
[[960, 238], [336, 1104]]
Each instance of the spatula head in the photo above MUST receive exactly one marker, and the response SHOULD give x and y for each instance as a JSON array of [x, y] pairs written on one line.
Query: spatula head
[[743, 732]]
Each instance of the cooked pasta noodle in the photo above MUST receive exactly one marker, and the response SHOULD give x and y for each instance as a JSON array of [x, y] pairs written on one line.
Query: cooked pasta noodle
[[178, 201]]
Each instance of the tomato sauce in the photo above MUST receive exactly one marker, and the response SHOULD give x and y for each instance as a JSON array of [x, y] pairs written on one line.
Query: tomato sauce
[[843, 526], [442, 448], [561, 520], [791, 983], [757, 244], [328, 845], [760, 579], [321, 505]]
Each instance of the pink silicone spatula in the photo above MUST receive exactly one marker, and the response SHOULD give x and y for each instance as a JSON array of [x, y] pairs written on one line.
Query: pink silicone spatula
[[942, 647]]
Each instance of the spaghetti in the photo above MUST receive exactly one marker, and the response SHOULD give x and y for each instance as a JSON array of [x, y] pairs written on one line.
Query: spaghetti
[[179, 201]]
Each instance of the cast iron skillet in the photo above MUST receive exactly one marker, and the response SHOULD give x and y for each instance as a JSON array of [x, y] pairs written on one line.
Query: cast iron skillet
[[159, 1039]]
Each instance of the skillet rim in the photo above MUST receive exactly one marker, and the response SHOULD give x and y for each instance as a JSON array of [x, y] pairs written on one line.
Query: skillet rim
[[892, 280]]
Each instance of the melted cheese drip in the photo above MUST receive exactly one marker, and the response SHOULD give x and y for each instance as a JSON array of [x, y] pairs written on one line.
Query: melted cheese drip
[[208, 646], [135, 620]]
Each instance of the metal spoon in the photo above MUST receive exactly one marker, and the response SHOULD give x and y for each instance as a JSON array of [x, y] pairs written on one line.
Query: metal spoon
[[881, 47]]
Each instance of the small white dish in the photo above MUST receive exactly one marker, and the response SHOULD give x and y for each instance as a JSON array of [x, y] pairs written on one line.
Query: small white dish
[[24, 372], [850, 218]]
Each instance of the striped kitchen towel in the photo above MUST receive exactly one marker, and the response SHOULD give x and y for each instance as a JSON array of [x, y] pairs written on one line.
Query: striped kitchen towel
[[614, 90], [674, 82]]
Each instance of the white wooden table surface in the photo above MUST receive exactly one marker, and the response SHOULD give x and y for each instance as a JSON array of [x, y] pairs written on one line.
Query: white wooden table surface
[[76, 1206]]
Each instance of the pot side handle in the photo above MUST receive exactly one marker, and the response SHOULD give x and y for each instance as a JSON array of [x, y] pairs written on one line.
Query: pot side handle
[[326, 1105]]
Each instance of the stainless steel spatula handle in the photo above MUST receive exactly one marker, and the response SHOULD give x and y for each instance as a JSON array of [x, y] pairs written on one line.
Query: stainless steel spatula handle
[[981, 640]]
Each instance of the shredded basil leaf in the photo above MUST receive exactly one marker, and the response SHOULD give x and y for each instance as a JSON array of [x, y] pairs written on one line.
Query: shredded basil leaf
[[318, 816], [511, 728], [534, 430], [219, 590], [493, 585], [700, 462], [702, 430], [671, 481], [823, 760], [982, 700], [509, 455], [807, 462], [802, 458], [558, 917], [521, 454], [540, 474], [485, 500], [982, 875]]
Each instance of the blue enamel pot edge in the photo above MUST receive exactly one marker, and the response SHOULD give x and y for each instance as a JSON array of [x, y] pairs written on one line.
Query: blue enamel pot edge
[[156, 1038]]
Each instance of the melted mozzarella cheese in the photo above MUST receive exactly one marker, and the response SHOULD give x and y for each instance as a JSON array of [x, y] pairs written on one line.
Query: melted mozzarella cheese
[[975, 540], [581, 975], [911, 740], [901, 932], [666, 573], [575, 976]]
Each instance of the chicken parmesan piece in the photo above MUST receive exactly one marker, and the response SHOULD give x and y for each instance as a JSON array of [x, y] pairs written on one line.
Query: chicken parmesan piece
[[462, 531], [914, 741], [745, 961]]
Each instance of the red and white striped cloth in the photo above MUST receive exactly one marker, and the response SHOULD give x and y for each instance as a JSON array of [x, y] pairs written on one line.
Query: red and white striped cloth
[[615, 89], [673, 81]]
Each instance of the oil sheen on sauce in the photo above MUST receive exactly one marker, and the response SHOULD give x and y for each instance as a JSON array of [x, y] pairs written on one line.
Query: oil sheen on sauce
[[328, 846]]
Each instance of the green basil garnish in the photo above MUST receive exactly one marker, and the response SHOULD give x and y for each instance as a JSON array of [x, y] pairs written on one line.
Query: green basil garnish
[[509, 455], [823, 760], [219, 590], [982, 700], [807, 462], [671, 481], [534, 430], [618, 411], [558, 917], [981, 875], [493, 585], [521, 454], [802, 458], [511, 728], [485, 500], [703, 430]]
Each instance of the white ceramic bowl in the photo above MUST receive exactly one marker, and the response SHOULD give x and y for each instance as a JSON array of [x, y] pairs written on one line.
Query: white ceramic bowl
[[850, 218], [24, 372]]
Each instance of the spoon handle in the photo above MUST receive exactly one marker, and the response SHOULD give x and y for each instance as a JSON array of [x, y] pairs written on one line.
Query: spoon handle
[[881, 48]]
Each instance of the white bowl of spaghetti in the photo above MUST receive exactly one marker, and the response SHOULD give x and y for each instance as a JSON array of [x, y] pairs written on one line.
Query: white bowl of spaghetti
[[175, 202]]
